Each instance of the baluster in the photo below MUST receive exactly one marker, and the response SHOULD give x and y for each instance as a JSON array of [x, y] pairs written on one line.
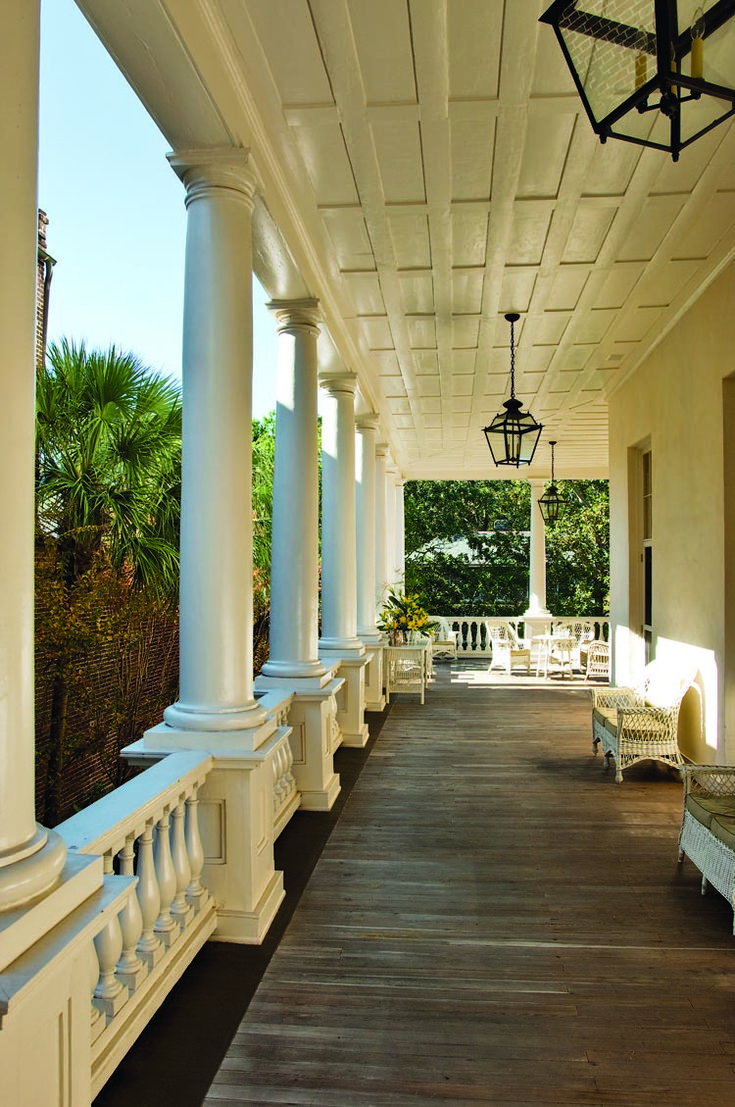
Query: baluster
[[109, 994], [149, 898], [196, 893], [97, 1019], [165, 927], [180, 909], [130, 968]]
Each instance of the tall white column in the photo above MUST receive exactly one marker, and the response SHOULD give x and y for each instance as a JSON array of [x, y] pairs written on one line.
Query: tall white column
[[365, 482], [365, 475], [537, 553], [31, 858], [339, 639], [295, 555], [339, 527], [216, 650], [294, 663], [382, 581], [399, 531]]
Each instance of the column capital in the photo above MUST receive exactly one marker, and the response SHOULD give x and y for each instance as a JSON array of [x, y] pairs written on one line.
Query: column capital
[[290, 314], [367, 422], [382, 449], [216, 167], [335, 383]]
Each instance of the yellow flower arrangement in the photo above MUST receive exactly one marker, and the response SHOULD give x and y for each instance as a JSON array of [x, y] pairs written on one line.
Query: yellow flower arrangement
[[402, 613]]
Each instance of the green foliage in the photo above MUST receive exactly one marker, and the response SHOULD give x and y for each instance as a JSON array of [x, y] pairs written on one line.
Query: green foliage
[[264, 454], [487, 572], [578, 551], [109, 465]]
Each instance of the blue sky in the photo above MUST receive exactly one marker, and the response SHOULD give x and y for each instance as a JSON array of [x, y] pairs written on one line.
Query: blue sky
[[117, 222]]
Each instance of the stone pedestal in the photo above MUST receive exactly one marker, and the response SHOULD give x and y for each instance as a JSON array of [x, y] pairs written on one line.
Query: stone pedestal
[[315, 735]]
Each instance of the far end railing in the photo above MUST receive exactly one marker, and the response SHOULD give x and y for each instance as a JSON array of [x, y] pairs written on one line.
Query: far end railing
[[475, 633]]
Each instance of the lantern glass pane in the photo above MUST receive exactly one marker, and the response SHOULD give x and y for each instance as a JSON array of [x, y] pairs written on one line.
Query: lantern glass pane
[[612, 46]]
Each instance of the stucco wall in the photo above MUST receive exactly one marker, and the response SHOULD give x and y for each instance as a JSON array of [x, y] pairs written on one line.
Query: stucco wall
[[674, 402]]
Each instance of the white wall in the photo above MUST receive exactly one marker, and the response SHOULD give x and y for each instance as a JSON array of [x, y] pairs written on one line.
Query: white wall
[[674, 402]]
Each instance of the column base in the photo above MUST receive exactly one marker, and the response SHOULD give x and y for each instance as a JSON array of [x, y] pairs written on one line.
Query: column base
[[33, 872], [315, 735], [164, 738], [374, 692], [250, 927], [351, 697], [23, 926], [202, 718]]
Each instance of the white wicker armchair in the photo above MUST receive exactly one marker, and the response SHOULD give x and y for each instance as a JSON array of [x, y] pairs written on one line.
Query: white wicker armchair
[[508, 650], [640, 724], [707, 834]]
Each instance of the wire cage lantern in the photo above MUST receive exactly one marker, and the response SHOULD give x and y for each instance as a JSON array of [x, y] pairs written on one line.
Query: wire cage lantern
[[659, 73], [551, 505], [513, 434]]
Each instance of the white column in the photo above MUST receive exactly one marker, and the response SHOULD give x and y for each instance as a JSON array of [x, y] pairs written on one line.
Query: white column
[[339, 533], [537, 553], [396, 528], [295, 551], [365, 474], [31, 858], [216, 649], [382, 581], [365, 480]]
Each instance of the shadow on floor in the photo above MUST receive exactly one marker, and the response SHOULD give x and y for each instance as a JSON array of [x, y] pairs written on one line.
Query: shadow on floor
[[201, 1015]]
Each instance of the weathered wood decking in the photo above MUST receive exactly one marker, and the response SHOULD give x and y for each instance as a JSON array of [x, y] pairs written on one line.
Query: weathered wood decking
[[493, 920]]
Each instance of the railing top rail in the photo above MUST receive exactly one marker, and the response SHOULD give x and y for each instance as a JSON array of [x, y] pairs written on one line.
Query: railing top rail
[[104, 824]]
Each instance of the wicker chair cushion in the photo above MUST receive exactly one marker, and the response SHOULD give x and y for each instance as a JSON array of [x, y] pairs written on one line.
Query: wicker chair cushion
[[704, 807], [608, 717], [723, 827]]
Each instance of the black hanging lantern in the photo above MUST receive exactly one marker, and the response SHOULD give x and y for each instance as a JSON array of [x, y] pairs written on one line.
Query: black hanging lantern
[[551, 504], [658, 73], [513, 434]]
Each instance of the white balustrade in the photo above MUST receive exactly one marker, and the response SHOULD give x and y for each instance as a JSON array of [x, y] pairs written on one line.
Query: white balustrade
[[474, 638], [141, 951]]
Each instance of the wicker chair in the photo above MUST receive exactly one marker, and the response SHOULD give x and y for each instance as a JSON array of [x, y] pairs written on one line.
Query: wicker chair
[[508, 650], [597, 661], [640, 724], [445, 641], [707, 834]]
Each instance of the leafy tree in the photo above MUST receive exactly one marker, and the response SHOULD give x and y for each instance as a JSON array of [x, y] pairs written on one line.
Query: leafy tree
[[109, 465], [578, 551], [490, 576], [108, 505]]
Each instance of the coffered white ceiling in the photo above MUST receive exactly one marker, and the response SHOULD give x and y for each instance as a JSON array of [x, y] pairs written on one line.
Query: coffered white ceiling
[[427, 167]]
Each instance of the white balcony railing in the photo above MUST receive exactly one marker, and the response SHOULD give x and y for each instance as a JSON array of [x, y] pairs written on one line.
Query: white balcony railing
[[147, 833], [474, 638], [147, 829]]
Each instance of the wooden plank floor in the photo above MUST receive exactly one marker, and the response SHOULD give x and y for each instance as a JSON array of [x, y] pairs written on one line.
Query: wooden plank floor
[[494, 921]]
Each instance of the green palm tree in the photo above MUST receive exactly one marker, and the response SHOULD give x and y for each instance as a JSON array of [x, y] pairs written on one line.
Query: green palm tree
[[108, 468], [109, 465]]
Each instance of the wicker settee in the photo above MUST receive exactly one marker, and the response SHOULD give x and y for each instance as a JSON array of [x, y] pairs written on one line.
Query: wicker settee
[[640, 724], [707, 834]]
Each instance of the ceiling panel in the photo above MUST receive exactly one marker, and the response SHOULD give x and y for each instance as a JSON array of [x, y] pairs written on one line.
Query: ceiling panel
[[475, 34], [545, 152], [409, 231], [398, 148], [325, 160], [386, 62], [472, 146]]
